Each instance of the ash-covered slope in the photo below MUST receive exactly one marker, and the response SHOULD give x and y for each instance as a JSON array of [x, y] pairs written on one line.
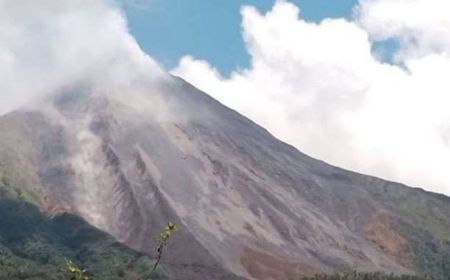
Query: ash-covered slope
[[246, 203]]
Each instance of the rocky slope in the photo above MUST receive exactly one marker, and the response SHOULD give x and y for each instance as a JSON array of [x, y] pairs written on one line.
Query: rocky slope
[[246, 203]]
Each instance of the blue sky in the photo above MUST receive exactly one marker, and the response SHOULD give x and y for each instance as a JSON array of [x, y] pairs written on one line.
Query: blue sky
[[209, 29]]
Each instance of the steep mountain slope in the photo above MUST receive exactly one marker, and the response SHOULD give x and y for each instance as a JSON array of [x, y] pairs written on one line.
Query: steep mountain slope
[[246, 203]]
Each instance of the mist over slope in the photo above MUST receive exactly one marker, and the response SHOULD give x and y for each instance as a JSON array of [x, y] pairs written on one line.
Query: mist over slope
[[246, 203]]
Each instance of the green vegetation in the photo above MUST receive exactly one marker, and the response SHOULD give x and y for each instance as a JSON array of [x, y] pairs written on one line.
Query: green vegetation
[[76, 272], [432, 255], [34, 247], [164, 240], [423, 221]]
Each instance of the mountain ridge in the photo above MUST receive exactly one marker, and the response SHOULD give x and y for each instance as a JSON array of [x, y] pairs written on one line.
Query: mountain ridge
[[245, 201]]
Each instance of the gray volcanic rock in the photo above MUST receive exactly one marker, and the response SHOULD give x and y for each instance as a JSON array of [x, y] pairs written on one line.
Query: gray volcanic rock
[[246, 203]]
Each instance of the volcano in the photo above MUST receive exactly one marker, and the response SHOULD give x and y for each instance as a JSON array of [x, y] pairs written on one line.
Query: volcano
[[246, 204]]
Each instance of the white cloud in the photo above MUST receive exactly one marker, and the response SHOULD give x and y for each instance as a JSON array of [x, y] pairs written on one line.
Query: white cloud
[[319, 87], [47, 44], [420, 26]]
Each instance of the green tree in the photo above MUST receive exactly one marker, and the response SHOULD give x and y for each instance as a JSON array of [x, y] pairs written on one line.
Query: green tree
[[164, 239]]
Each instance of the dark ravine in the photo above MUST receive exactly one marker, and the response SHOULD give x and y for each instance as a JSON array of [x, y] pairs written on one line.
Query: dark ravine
[[246, 203]]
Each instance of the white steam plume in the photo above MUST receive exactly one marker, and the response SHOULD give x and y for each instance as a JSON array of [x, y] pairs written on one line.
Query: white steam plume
[[48, 44]]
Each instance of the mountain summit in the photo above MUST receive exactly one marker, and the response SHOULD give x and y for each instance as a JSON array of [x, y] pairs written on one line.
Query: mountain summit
[[246, 203]]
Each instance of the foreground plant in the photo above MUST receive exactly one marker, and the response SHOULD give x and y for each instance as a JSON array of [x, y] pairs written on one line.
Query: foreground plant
[[77, 273], [164, 239]]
